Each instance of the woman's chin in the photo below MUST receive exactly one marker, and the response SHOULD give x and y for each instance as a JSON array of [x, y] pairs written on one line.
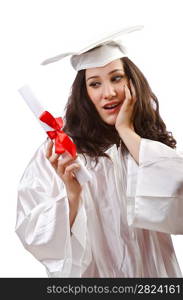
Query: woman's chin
[[110, 123], [111, 120]]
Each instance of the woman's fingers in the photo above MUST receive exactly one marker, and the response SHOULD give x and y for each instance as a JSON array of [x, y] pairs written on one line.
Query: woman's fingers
[[127, 93], [62, 163], [130, 97], [53, 158], [71, 168], [66, 172], [49, 149], [51, 155], [133, 90]]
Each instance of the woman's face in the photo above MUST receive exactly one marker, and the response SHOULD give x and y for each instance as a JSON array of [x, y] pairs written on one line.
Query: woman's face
[[105, 87]]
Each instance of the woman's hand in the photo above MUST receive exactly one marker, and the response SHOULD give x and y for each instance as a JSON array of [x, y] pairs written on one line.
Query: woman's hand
[[124, 124], [124, 116], [65, 168]]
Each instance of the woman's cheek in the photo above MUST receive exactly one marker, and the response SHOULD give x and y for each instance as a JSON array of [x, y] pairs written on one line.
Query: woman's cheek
[[94, 99]]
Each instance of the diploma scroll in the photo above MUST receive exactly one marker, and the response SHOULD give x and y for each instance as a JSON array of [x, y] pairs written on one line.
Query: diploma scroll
[[63, 144]]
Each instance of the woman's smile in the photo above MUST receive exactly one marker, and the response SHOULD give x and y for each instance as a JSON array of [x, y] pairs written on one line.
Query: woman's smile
[[113, 109]]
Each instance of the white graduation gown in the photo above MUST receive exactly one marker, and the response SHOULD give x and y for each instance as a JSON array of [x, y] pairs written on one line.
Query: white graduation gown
[[123, 225]]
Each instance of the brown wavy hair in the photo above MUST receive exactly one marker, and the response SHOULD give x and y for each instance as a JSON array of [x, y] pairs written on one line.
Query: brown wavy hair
[[93, 136]]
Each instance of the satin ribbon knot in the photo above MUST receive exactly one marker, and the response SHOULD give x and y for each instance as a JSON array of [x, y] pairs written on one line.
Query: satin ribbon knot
[[62, 141]]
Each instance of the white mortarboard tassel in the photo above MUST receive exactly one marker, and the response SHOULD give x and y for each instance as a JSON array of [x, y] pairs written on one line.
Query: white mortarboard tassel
[[99, 53]]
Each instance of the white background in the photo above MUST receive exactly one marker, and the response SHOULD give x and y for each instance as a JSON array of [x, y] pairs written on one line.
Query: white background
[[32, 31]]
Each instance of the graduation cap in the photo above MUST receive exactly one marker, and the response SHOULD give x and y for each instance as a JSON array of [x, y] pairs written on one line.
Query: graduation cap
[[98, 53]]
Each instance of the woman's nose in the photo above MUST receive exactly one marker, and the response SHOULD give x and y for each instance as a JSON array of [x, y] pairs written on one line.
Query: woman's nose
[[108, 91]]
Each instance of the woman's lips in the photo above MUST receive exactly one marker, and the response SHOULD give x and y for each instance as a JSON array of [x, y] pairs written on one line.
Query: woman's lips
[[112, 110]]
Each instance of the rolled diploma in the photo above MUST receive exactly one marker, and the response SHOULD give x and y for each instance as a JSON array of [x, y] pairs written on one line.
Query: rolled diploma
[[82, 174]]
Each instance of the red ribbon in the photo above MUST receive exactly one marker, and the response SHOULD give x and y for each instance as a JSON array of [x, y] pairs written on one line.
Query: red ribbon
[[62, 141]]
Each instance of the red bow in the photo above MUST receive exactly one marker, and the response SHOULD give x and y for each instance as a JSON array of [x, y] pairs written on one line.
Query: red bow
[[62, 141]]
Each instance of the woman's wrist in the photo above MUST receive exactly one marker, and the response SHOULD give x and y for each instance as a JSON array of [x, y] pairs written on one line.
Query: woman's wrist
[[73, 207], [131, 139], [122, 128], [73, 210]]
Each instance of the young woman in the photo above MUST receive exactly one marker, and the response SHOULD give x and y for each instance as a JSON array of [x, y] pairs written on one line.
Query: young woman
[[119, 224]]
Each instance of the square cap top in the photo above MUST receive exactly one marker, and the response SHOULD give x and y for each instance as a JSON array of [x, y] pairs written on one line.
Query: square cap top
[[98, 53]]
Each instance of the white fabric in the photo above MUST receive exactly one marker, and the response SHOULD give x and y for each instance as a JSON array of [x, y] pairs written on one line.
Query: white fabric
[[125, 218], [98, 57], [109, 49]]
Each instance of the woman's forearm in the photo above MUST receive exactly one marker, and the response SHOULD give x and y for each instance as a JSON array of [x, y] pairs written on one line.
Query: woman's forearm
[[132, 141], [73, 209]]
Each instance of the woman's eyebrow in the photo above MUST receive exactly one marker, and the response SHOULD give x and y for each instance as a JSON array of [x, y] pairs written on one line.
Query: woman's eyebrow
[[113, 71]]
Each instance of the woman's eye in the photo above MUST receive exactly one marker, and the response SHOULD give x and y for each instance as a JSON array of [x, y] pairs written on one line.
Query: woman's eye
[[117, 78], [94, 84]]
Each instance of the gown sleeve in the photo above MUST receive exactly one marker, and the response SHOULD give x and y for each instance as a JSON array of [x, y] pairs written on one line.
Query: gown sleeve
[[155, 188], [43, 219]]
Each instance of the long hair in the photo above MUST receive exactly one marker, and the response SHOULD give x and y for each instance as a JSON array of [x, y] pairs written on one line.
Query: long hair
[[93, 136]]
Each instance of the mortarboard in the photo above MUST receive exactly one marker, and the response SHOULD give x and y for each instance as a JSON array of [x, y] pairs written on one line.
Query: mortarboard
[[98, 53]]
